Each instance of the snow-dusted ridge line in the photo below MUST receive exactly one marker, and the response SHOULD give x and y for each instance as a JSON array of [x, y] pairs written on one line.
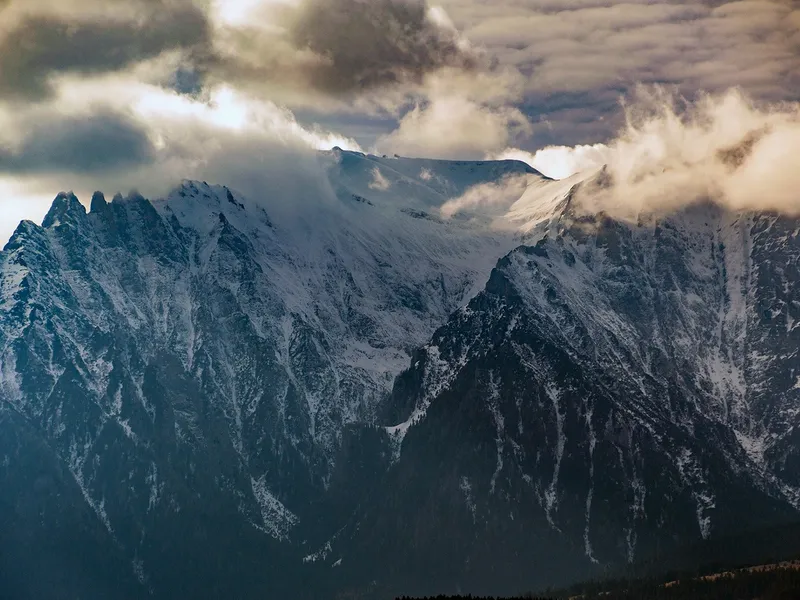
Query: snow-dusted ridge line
[[285, 324], [236, 339], [670, 338]]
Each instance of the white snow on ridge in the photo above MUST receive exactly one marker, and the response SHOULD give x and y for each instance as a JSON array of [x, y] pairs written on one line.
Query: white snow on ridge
[[343, 276], [373, 264]]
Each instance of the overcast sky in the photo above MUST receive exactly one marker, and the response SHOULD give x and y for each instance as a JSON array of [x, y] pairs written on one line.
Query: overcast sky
[[116, 94]]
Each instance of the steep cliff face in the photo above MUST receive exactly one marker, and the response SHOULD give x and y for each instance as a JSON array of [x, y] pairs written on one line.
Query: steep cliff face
[[190, 364], [617, 391], [341, 389]]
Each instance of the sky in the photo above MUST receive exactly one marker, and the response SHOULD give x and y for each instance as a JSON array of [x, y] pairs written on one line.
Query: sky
[[122, 94]]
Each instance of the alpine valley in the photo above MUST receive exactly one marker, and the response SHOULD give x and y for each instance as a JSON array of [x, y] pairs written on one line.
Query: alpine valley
[[377, 383]]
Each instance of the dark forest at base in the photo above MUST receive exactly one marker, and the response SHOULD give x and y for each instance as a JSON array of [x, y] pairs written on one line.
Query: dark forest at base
[[774, 584], [725, 568]]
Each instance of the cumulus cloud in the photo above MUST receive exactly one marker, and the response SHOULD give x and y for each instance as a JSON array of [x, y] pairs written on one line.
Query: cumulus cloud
[[366, 43], [300, 51], [455, 127], [723, 148], [309, 51]]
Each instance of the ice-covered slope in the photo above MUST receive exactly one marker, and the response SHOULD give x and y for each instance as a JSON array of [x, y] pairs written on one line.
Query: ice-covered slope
[[363, 275]]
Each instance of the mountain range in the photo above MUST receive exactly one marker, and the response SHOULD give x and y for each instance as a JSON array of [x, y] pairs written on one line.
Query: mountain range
[[402, 376]]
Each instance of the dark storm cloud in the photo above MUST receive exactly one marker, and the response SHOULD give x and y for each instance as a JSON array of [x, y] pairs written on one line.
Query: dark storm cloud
[[99, 142], [309, 48], [367, 43], [341, 47], [40, 45]]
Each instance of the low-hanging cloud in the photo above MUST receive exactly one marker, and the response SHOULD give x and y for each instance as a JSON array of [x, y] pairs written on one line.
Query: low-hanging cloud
[[490, 199], [559, 162], [152, 140], [723, 148]]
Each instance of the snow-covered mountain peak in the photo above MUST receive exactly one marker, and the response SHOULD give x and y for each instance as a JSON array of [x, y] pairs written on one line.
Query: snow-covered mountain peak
[[198, 205], [98, 203], [65, 207], [325, 295], [416, 182]]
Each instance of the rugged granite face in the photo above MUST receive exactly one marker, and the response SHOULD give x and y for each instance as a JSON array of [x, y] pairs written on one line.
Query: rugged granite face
[[213, 395]]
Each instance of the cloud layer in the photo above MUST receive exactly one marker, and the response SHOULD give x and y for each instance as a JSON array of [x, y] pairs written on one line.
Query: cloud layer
[[142, 93], [39, 42], [724, 148], [562, 64], [579, 56]]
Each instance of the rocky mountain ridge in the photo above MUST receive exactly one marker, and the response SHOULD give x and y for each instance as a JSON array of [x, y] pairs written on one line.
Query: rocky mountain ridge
[[224, 395]]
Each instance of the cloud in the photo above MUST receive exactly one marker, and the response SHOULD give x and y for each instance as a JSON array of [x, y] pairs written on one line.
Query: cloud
[[464, 80], [455, 127], [36, 46], [98, 141], [489, 198], [571, 59], [368, 43], [337, 49], [580, 56], [356, 55], [150, 140], [722, 148], [559, 162]]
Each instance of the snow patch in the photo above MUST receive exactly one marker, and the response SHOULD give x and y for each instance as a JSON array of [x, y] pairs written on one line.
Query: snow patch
[[493, 402], [551, 494], [278, 520], [469, 500], [692, 474]]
